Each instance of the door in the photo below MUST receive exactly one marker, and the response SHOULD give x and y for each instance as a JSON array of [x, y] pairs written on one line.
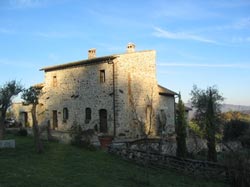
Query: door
[[55, 121], [103, 121]]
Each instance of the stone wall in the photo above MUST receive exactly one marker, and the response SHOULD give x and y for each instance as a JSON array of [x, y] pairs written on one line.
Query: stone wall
[[152, 158]]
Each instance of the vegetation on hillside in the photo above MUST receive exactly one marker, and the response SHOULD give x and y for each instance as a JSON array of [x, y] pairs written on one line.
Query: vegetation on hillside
[[207, 115], [65, 165]]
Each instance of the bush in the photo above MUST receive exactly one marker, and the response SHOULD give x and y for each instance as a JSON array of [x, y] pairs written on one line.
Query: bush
[[238, 168], [245, 139], [234, 129], [81, 138], [22, 132]]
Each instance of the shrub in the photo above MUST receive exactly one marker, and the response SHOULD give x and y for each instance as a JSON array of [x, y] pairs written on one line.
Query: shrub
[[22, 132], [80, 137], [238, 168], [234, 129]]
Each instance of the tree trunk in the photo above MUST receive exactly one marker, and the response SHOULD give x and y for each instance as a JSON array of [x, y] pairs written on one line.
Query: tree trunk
[[38, 143], [2, 125], [1, 129]]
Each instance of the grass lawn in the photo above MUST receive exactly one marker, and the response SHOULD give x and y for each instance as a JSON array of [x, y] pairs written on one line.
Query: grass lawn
[[65, 165]]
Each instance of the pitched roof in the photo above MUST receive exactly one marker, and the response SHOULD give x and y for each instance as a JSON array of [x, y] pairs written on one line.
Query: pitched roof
[[164, 91], [79, 63]]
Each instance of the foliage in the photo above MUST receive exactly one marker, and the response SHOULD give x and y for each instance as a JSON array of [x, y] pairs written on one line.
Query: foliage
[[181, 130], [245, 139], [207, 115], [31, 96], [238, 165], [80, 137], [234, 129], [7, 92], [235, 115], [195, 129], [22, 132], [63, 165]]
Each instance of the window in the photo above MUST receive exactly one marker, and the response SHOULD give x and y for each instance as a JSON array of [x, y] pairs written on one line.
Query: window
[[54, 81], [65, 113], [87, 115], [102, 76]]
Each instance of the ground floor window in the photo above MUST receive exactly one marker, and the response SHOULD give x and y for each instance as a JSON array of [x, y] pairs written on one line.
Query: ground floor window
[[65, 113]]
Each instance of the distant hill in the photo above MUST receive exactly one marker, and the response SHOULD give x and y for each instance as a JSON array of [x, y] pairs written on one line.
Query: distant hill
[[240, 108], [225, 108]]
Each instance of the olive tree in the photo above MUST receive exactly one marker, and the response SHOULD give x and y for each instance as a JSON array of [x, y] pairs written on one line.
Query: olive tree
[[31, 96], [7, 92], [207, 104]]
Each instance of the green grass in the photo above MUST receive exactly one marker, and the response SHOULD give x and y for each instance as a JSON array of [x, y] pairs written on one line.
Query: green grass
[[65, 165]]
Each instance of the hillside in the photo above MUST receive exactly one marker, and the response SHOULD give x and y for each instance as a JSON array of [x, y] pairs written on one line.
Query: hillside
[[64, 165], [225, 108]]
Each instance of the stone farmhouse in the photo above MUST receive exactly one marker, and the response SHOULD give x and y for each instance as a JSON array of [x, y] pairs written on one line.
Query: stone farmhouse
[[115, 95]]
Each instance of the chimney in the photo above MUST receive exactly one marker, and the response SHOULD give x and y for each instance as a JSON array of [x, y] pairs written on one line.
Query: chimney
[[130, 48], [91, 53]]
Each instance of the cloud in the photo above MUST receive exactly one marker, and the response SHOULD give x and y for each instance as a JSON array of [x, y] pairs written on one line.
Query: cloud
[[198, 65], [242, 23], [60, 34], [26, 3], [240, 39], [180, 36], [6, 31], [17, 63]]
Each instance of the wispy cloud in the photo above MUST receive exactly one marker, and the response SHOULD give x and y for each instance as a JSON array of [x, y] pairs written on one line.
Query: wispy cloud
[[17, 63], [180, 36], [16, 4], [58, 34], [241, 39], [200, 65], [7, 31]]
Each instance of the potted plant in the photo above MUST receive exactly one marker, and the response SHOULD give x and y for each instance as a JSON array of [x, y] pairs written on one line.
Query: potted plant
[[105, 140]]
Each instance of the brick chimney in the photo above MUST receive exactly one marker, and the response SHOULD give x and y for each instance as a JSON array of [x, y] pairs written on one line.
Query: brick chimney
[[91, 53], [130, 47]]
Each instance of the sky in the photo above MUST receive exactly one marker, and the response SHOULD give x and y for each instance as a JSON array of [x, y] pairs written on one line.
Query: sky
[[203, 43]]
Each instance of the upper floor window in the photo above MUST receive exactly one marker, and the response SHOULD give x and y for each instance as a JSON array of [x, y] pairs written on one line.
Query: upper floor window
[[102, 76], [87, 115], [65, 113], [54, 81]]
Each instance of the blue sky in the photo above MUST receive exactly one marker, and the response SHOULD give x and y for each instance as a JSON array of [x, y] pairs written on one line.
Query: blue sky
[[197, 42]]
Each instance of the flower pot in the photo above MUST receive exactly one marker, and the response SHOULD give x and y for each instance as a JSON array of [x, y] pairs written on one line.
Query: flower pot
[[105, 141]]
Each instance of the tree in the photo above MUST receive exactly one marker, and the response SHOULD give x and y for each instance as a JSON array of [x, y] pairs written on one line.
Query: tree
[[207, 115], [30, 96], [7, 93], [180, 127]]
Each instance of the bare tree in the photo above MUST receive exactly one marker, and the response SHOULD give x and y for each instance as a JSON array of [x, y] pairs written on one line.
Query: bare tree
[[7, 92]]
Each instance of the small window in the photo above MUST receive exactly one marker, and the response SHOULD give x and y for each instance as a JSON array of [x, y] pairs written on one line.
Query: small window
[[102, 76], [87, 115], [65, 113], [54, 81]]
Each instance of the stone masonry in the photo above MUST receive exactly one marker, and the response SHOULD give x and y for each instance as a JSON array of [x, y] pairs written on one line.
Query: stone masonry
[[114, 95]]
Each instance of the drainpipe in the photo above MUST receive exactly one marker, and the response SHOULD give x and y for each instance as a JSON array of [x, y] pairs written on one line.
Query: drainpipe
[[114, 102]]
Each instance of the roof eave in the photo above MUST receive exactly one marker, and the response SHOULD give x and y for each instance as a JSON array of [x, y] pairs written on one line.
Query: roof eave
[[79, 63]]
